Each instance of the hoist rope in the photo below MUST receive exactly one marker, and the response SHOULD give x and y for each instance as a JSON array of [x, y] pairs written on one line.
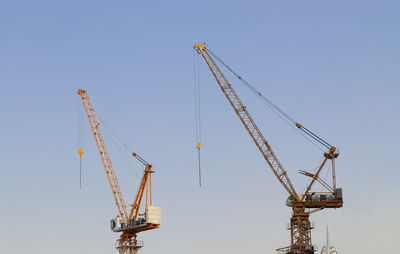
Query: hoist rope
[[196, 79], [80, 123], [80, 135], [80, 172], [284, 116]]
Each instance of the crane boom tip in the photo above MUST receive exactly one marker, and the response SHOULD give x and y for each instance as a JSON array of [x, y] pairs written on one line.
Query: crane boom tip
[[80, 92], [200, 45]]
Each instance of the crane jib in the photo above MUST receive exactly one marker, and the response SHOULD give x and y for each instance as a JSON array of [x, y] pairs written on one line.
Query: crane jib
[[247, 121], [105, 158]]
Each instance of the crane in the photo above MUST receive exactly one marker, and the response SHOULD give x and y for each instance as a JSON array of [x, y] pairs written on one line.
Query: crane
[[302, 204], [128, 224]]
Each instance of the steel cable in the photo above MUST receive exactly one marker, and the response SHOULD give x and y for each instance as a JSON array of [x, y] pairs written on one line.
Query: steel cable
[[278, 111]]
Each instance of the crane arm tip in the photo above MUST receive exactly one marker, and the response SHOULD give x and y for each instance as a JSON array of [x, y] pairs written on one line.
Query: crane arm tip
[[200, 46], [80, 91]]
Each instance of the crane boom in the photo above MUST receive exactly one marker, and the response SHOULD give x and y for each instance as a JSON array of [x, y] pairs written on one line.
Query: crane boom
[[248, 122], [130, 225], [105, 158]]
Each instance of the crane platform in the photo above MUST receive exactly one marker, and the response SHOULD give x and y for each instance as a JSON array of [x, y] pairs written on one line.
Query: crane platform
[[135, 226]]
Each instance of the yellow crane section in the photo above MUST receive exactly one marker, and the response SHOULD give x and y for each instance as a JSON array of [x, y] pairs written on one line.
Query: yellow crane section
[[135, 222], [105, 158]]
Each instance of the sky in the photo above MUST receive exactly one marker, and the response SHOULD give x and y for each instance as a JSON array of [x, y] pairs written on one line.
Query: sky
[[331, 65]]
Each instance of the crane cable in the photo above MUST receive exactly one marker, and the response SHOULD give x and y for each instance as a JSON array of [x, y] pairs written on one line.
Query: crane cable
[[196, 79], [289, 120], [112, 133], [80, 139]]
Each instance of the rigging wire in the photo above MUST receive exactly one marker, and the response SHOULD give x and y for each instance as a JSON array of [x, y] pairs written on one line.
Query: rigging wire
[[121, 153], [112, 133], [284, 116], [123, 143]]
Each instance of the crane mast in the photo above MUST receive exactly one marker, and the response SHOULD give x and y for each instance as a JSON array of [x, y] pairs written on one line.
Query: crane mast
[[300, 226], [128, 225]]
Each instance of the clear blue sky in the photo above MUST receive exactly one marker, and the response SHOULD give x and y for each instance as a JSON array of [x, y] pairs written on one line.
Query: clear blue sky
[[332, 65]]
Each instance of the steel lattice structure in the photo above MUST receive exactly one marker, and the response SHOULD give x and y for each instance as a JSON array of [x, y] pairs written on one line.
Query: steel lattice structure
[[301, 204], [129, 225]]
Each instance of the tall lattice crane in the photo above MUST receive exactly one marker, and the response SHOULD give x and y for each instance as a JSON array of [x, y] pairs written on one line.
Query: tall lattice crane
[[128, 224], [302, 204]]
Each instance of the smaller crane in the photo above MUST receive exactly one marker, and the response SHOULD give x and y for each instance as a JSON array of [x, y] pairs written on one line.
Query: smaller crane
[[134, 222]]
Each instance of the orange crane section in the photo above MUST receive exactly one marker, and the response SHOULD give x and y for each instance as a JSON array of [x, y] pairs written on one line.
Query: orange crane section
[[135, 222], [105, 158]]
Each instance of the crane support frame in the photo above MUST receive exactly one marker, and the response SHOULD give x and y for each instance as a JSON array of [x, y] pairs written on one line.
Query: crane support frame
[[145, 184]]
